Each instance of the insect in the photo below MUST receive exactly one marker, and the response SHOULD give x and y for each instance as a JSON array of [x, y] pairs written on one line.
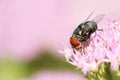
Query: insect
[[83, 32]]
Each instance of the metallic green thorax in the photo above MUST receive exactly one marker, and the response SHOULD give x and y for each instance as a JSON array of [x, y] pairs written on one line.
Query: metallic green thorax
[[84, 30]]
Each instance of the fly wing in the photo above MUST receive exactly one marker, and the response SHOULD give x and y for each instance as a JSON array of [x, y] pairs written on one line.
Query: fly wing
[[98, 18], [89, 16]]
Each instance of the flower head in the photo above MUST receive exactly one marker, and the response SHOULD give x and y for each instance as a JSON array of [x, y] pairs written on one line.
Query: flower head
[[104, 46]]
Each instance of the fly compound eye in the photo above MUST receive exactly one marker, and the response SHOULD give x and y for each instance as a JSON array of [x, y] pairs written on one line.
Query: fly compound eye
[[75, 43]]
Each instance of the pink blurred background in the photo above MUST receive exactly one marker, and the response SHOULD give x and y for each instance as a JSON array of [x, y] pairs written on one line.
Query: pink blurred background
[[61, 75], [28, 26]]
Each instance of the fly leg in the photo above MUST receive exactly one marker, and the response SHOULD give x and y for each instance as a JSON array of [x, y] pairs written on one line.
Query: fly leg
[[73, 50], [82, 51], [98, 30]]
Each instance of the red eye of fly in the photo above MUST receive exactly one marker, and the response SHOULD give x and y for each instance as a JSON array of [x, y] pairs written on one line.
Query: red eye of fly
[[75, 43]]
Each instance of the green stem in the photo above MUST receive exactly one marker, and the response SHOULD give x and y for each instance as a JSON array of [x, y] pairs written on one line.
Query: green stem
[[108, 71], [103, 73], [115, 75]]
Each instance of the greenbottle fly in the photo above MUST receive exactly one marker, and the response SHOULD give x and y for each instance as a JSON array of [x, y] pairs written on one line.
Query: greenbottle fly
[[83, 32]]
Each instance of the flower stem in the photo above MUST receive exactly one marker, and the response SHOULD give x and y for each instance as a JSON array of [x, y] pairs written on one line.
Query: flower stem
[[103, 73]]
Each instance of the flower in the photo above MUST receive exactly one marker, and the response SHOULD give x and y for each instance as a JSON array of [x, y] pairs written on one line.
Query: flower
[[104, 46], [112, 52]]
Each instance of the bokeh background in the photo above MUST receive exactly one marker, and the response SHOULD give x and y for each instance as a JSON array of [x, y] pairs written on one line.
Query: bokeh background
[[31, 32]]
